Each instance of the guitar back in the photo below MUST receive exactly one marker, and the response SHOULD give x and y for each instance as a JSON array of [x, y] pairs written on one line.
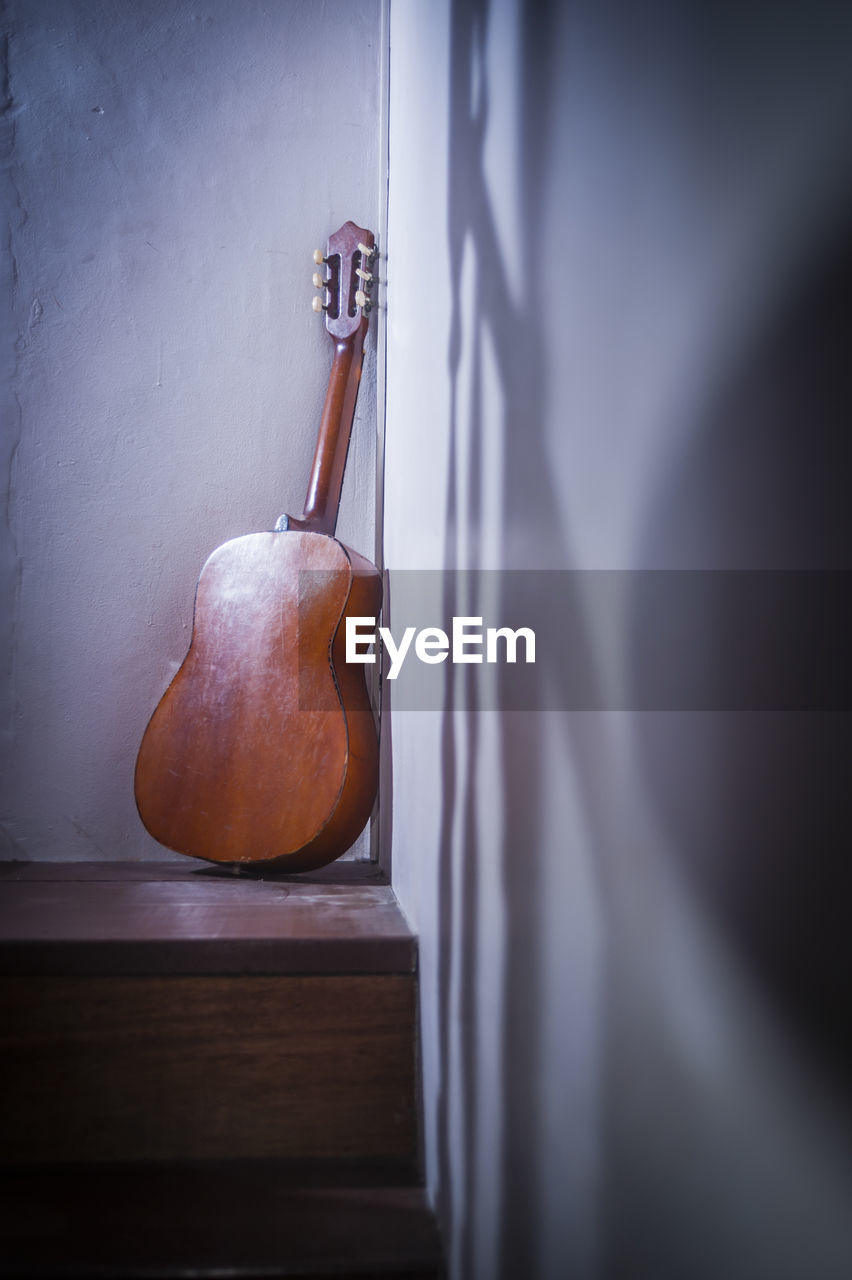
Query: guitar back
[[264, 746]]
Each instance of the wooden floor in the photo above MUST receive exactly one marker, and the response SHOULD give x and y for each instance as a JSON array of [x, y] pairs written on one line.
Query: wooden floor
[[204, 1074]]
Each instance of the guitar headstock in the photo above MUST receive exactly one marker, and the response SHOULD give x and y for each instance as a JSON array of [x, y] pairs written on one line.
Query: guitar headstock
[[345, 277]]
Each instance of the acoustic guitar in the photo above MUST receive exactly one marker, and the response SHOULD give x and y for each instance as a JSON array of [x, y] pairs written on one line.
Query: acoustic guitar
[[264, 746]]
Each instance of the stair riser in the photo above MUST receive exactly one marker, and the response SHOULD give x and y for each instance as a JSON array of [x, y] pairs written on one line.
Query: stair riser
[[184, 1068]]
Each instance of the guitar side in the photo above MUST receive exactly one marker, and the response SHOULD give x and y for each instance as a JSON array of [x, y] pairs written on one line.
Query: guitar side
[[264, 746]]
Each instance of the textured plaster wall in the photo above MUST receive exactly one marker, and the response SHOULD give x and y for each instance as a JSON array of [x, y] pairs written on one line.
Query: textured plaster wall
[[170, 167], [632, 351]]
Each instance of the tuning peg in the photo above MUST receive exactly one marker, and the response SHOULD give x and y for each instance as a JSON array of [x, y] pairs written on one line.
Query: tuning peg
[[319, 283], [318, 258], [363, 275], [318, 305], [363, 301], [367, 250]]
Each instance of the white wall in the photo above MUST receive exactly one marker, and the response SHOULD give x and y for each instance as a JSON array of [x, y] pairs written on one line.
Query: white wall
[[171, 168], [618, 289]]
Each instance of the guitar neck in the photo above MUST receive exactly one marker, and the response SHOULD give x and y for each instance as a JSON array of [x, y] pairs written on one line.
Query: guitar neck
[[346, 289], [326, 480]]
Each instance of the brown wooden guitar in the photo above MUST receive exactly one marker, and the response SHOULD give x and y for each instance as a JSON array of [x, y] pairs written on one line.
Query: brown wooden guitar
[[264, 747]]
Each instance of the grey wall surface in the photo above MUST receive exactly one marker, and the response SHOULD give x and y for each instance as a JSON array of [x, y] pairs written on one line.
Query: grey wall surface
[[629, 352], [170, 169]]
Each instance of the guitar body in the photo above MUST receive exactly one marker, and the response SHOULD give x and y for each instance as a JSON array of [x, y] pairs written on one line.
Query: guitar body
[[264, 746]]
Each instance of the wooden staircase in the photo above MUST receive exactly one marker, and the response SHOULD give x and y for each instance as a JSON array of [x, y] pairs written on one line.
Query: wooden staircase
[[208, 1075]]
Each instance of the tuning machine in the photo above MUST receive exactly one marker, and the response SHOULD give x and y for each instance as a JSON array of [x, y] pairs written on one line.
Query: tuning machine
[[319, 282], [365, 275]]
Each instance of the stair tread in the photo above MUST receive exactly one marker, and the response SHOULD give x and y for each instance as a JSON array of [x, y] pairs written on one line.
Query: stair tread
[[133, 918], [224, 1219]]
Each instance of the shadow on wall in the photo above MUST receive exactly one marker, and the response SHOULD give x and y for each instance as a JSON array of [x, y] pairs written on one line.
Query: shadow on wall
[[755, 809], [766, 845], [532, 536]]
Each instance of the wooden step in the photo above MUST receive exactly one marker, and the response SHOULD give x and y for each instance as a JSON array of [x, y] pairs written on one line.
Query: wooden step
[[207, 1067], [207, 1075], [182, 1014], [143, 918], [158, 1222]]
